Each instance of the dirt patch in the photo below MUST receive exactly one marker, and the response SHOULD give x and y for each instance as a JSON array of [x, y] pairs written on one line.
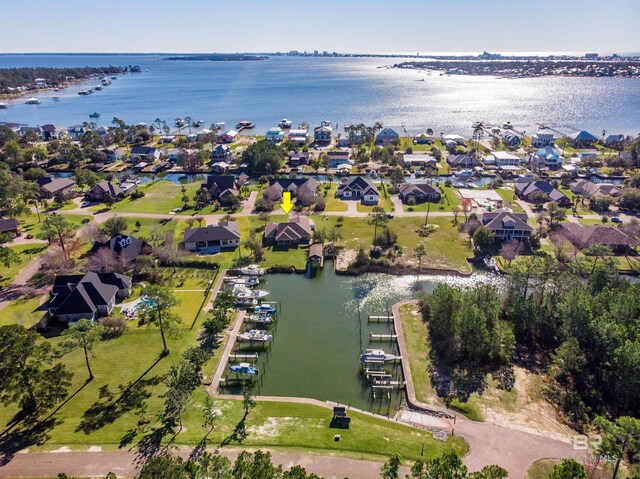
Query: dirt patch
[[527, 410], [345, 258]]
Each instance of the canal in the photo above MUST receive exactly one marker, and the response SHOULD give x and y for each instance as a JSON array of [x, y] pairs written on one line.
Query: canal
[[322, 329]]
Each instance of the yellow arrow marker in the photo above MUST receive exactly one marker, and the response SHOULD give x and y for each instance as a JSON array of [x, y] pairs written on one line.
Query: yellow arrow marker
[[286, 201]]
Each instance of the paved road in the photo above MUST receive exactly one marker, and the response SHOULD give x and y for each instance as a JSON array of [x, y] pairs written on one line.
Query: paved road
[[123, 464]]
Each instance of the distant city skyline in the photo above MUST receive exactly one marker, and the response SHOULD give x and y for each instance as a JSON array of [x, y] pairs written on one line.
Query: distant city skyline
[[411, 26]]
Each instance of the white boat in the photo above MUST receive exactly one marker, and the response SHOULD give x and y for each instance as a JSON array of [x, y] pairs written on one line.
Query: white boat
[[244, 368], [249, 281], [377, 355], [32, 101], [252, 270], [220, 125], [3, 106], [242, 292], [97, 87], [246, 302], [260, 319], [463, 173], [284, 123], [256, 335]]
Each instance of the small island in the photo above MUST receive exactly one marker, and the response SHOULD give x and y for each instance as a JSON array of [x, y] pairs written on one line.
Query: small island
[[219, 57]]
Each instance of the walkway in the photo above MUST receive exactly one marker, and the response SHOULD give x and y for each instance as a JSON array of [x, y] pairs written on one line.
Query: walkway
[[123, 463], [488, 443]]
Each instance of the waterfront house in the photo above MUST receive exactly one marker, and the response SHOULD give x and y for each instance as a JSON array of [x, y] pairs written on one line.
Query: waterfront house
[[337, 158], [125, 247], [462, 161], [140, 152], [50, 187], [228, 136], [420, 161], [10, 227], [76, 132], [386, 136], [220, 167], [212, 239], [528, 190], [222, 153], [298, 136], [511, 139], [88, 296], [457, 140], [502, 158], [275, 135], [358, 188], [111, 155], [222, 187], [507, 225], [323, 133], [582, 139], [546, 158], [542, 138], [297, 231], [105, 189], [301, 188], [589, 189], [297, 158], [53, 132], [422, 139], [419, 193], [584, 236], [615, 141]]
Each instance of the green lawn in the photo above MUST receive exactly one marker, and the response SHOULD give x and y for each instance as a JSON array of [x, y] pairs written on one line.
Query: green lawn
[[333, 203], [21, 311], [31, 225], [541, 468], [26, 253], [385, 203], [129, 369], [161, 197], [510, 199]]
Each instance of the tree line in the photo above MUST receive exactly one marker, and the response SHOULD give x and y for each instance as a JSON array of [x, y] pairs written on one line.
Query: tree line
[[25, 76]]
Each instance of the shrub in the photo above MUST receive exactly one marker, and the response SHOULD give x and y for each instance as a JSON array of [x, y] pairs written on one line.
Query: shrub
[[137, 194], [340, 219], [411, 202], [320, 205], [113, 327], [84, 221], [410, 208]]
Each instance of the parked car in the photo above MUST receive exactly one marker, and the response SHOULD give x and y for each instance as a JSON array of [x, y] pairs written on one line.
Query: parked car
[[617, 219]]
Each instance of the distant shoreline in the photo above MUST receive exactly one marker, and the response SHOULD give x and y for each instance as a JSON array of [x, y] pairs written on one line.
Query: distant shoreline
[[235, 57]]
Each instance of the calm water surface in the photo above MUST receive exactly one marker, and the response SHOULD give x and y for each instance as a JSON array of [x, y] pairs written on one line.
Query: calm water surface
[[343, 90], [322, 329]]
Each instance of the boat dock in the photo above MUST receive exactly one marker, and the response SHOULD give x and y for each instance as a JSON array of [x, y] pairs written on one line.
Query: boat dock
[[382, 337], [380, 319], [243, 357]]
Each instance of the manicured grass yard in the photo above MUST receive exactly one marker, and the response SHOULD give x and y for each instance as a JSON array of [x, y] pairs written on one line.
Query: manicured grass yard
[[31, 226], [541, 468], [510, 199], [450, 199], [26, 253], [333, 203], [385, 203], [21, 311]]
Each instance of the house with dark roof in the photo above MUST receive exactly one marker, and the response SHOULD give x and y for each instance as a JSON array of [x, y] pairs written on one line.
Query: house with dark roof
[[301, 188], [145, 152], [125, 247], [222, 153], [358, 188], [419, 193], [297, 158], [9, 226], [511, 139], [222, 187], [588, 189], [52, 132], [585, 236], [88, 296], [337, 158], [76, 132], [582, 139], [386, 136], [526, 190], [50, 187], [507, 225], [462, 161], [420, 161], [104, 189], [298, 230], [212, 239], [615, 140]]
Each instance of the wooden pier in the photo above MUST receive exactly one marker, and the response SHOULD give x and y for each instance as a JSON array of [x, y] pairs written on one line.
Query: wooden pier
[[380, 319], [382, 337]]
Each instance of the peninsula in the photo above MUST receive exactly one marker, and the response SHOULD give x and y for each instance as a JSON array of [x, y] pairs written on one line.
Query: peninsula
[[218, 57]]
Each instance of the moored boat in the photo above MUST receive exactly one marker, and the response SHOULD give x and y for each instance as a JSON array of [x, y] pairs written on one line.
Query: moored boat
[[242, 292], [284, 123], [245, 125], [32, 101], [244, 368], [377, 355], [95, 114], [3, 106], [264, 308], [252, 270], [260, 318], [256, 335]]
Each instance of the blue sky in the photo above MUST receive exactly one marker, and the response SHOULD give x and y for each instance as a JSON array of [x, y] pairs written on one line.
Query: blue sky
[[333, 25]]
